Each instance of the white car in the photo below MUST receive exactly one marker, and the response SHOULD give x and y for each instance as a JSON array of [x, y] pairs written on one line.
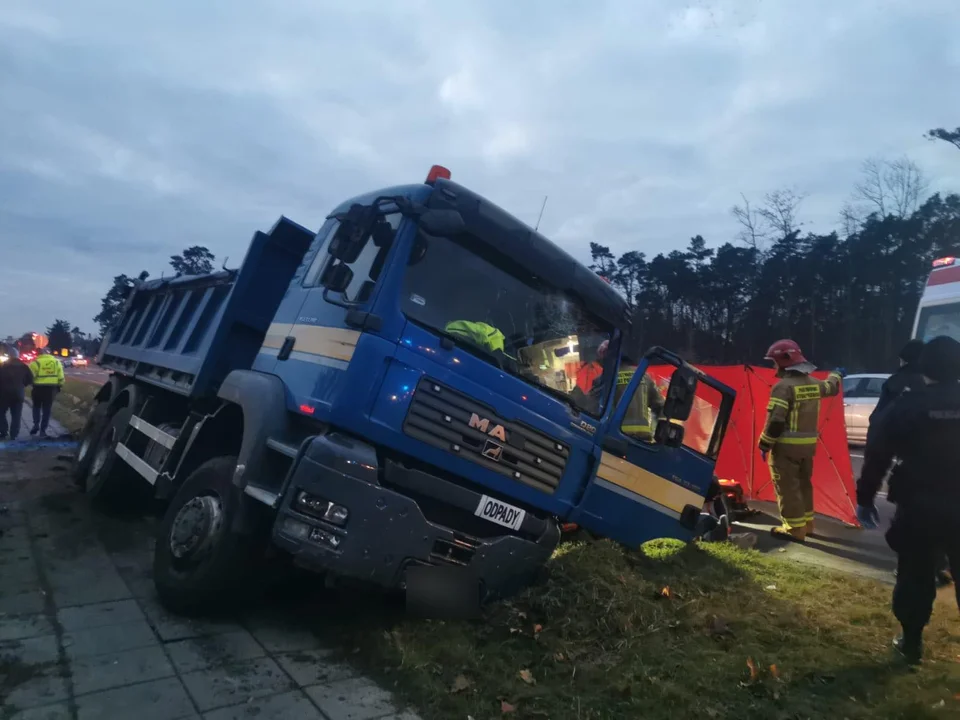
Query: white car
[[860, 396]]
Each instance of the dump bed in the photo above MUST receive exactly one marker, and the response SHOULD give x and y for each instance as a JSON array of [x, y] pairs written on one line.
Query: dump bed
[[187, 332]]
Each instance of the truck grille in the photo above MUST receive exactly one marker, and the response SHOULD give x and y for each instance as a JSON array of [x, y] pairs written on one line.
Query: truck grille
[[446, 419]]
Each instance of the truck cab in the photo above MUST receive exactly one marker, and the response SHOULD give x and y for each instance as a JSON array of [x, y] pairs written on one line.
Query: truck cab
[[404, 404]]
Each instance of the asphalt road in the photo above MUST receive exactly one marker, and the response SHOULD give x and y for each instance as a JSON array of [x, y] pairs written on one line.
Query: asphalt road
[[837, 546], [91, 373]]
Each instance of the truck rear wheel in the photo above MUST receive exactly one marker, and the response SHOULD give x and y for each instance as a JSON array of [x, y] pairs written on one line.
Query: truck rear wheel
[[198, 562], [88, 442], [111, 482]]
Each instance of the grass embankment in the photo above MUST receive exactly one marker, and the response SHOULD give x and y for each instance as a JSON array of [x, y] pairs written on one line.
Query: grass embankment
[[73, 403], [673, 632]]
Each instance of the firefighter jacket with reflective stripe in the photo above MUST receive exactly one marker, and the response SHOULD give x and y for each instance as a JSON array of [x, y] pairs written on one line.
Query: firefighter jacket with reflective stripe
[[478, 333], [47, 370], [793, 413], [645, 405]]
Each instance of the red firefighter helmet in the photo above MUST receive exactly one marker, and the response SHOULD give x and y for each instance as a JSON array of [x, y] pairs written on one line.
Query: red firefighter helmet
[[602, 350], [785, 353]]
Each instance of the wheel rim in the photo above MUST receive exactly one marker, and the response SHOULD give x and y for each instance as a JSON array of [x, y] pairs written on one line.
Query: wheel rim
[[103, 452], [196, 528], [84, 449]]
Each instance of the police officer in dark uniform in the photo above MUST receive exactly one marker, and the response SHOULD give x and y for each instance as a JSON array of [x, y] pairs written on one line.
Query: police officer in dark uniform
[[906, 378], [920, 428]]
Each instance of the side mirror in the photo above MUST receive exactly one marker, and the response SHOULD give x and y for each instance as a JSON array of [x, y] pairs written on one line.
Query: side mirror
[[336, 277], [680, 394], [442, 223]]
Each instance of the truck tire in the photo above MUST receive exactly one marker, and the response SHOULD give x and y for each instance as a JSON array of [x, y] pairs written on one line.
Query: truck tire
[[87, 443], [110, 481], [199, 564]]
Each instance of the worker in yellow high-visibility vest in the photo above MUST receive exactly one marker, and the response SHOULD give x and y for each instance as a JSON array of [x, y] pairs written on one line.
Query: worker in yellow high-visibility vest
[[47, 373]]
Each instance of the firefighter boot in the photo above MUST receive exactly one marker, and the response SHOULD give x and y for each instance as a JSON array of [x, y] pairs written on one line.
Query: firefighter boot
[[797, 534]]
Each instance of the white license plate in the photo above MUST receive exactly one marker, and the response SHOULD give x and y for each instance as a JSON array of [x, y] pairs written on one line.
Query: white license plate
[[500, 513]]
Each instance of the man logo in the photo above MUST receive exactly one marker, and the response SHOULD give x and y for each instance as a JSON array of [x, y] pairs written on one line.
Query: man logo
[[483, 425], [492, 451]]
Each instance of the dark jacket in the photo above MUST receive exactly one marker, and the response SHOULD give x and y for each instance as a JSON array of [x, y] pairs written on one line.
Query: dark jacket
[[15, 376], [920, 428], [905, 379]]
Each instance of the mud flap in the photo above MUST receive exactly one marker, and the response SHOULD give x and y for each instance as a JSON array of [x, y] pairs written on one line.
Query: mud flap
[[442, 593]]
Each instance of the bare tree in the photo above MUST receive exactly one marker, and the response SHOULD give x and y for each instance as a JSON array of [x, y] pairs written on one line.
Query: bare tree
[[890, 187], [871, 189], [752, 232], [779, 211], [851, 218], [906, 185]]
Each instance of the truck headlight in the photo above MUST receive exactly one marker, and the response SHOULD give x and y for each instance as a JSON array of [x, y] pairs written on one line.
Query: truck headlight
[[322, 508]]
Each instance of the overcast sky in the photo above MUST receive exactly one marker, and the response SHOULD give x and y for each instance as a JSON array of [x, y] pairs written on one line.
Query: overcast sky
[[131, 130]]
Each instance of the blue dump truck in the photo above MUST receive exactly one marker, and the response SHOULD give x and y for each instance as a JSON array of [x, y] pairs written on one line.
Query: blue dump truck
[[393, 399]]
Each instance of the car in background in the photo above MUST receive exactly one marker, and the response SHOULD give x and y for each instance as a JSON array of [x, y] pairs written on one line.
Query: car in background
[[860, 396], [78, 361]]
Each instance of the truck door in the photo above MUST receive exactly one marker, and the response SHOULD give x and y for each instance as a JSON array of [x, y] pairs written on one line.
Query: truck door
[[655, 465], [316, 344], [287, 318]]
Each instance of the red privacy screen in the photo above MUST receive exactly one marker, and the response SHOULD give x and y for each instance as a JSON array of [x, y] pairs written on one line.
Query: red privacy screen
[[833, 483]]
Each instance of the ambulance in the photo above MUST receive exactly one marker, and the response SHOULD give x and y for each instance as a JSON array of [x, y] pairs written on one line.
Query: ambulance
[[939, 309]]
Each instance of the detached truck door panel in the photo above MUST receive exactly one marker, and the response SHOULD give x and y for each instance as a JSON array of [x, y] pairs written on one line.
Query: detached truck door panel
[[644, 489]]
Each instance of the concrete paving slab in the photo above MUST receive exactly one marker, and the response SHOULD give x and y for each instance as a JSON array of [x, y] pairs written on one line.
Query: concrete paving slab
[[279, 634], [156, 700], [60, 711], [16, 627], [22, 601], [117, 666], [43, 687], [103, 672], [171, 627], [31, 651], [213, 651], [353, 699], [86, 617], [314, 667], [108, 639], [236, 684], [286, 706]]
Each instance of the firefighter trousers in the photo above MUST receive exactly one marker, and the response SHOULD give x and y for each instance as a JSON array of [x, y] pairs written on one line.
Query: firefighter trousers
[[920, 536], [791, 468]]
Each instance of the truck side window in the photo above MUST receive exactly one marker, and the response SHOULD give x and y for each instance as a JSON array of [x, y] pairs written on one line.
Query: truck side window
[[640, 419], [368, 265], [321, 257]]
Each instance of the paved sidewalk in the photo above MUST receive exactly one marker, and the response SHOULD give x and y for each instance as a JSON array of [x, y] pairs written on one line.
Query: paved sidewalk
[[82, 635]]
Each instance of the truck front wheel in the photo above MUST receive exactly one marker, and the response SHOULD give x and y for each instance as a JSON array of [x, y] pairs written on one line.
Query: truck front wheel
[[199, 563]]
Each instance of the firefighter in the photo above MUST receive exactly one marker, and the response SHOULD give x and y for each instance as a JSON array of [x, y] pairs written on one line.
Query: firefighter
[[47, 382], [788, 442]]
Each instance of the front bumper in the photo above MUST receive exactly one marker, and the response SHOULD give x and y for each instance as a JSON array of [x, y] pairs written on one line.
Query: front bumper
[[387, 532]]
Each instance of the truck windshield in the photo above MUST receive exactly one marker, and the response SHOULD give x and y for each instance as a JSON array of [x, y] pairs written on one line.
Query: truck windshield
[[939, 320], [504, 314]]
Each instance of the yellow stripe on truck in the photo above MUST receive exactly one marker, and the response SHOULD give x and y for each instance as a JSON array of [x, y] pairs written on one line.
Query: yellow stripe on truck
[[330, 342], [643, 482]]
